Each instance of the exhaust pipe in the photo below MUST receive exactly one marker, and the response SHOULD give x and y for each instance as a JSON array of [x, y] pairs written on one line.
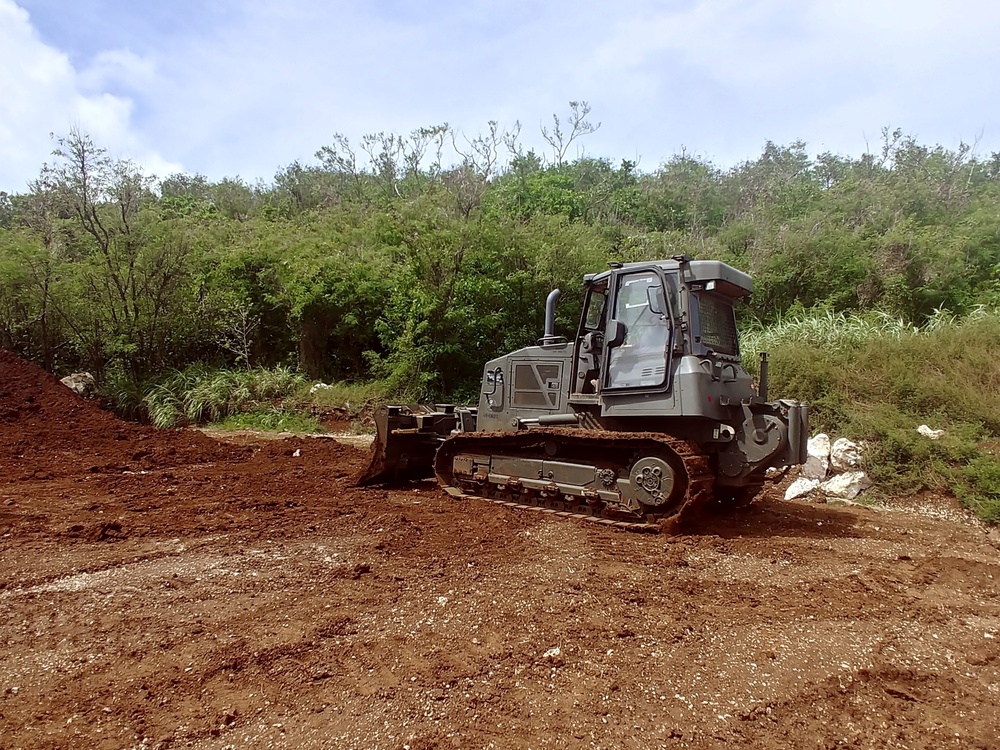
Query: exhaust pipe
[[549, 336]]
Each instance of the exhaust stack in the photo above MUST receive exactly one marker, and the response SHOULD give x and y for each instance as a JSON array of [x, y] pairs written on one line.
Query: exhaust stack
[[549, 336]]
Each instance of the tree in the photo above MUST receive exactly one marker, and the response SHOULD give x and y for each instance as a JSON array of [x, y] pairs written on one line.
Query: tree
[[7, 212], [131, 271], [579, 126], [480, 165]]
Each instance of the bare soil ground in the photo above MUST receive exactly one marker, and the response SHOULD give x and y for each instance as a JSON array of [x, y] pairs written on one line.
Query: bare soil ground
[[166, 589]]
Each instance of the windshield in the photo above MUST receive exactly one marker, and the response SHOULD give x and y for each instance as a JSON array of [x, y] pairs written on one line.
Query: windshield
[[718, 324]]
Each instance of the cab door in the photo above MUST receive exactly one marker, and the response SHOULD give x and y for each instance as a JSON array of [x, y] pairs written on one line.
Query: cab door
[[639, 336], [589, 349]]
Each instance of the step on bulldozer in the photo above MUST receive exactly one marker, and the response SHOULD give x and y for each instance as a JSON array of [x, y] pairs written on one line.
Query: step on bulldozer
[[646, 413]]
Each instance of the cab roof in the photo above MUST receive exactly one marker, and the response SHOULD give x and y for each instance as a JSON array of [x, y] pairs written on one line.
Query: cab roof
[[696, 272]]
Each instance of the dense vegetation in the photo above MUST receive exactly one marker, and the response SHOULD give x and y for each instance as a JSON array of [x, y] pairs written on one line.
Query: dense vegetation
[[876, 379], [407, 261]]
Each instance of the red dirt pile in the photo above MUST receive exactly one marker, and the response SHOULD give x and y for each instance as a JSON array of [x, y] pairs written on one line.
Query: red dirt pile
[[47, 431]]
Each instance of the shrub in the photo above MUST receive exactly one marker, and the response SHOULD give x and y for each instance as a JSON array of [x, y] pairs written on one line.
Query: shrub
[[200, 394]]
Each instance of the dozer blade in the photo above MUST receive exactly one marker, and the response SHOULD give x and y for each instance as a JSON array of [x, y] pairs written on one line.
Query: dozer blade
[[406, 439]]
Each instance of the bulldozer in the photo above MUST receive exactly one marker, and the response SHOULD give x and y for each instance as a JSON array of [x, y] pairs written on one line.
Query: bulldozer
[[645, 415]]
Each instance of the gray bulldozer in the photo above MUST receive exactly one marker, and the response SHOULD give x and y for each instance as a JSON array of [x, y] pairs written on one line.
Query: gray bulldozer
[[646, 413]]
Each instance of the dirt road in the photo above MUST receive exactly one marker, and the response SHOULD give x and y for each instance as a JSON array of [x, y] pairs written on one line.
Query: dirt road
[[168, 590]]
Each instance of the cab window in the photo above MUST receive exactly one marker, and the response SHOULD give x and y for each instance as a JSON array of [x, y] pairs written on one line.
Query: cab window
[[717, 324]]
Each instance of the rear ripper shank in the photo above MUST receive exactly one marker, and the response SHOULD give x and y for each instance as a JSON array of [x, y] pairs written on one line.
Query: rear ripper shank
[[648, 411]]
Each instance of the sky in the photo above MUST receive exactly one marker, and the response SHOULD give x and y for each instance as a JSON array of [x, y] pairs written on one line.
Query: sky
[[244, 88]]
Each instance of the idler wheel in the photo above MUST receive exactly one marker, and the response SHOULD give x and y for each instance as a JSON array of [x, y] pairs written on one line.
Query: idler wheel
[[652, 481]]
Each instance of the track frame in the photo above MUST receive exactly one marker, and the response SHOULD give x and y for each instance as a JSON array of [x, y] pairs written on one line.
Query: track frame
[[595, 452]]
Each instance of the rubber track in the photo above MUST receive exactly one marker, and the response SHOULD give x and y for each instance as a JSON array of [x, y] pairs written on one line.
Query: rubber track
[[699, 479]]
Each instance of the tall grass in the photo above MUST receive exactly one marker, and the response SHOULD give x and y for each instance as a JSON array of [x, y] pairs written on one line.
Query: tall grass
[[839, 331], [199, 394], [877, 379], [272, 420], [353, 398]]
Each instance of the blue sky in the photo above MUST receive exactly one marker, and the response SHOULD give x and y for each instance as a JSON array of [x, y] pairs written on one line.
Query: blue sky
[[230, 88]]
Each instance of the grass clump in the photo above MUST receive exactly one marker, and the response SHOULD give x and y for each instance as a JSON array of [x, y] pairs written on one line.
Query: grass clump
[[277, 399], [839, 331], [876, 380], [200, 394], [272, 420], [352, 398], [983, 473]]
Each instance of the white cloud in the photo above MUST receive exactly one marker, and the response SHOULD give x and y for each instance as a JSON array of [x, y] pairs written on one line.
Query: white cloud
[[118, 68], [827, 72], [43, 94], [753, 42]]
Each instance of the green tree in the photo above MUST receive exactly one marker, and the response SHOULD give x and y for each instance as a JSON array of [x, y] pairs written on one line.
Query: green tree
[[129, 272]]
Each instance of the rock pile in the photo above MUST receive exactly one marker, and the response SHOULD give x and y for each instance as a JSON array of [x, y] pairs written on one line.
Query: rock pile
[[831, 469]]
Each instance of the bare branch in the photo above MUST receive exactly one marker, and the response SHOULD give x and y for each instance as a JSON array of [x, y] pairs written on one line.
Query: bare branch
[[579, 126]]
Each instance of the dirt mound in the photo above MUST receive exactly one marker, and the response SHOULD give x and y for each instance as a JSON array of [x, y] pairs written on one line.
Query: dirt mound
[[47, 430]]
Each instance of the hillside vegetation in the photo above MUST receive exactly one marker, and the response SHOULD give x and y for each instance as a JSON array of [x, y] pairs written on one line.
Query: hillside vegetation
[[876, 380], [406, 261]]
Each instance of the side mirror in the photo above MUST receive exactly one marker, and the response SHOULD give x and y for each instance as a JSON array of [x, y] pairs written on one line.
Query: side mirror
[[614, 335]]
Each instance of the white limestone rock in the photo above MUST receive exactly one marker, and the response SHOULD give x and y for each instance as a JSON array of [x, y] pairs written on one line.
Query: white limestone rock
[[818, 462], [927, 432], [81, 382], [846, 486], [845, 455], [800, 488]]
